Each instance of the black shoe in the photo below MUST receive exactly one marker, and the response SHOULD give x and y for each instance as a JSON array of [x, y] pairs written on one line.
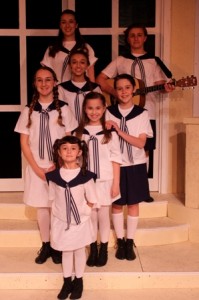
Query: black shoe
[[56, 256], [93, 255], [77, 288], [44, 253], [103, 255], [130, 254], [149, 200], [66, 289], [121, 249]]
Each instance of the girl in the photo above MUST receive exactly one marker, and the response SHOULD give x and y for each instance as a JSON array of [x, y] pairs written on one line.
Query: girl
[[39, 125], [133, 127], [72, 190], [69, 38], [104, 160], [74, 90]]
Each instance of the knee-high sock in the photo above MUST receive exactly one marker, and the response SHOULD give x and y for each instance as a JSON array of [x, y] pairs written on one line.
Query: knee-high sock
[[67, 263], [132, 223], [118, 223], [94, 220], [80, 262], [43, 219], [104, 223]]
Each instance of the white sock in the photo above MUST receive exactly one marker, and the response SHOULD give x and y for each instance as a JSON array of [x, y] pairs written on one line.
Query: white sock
[[94, 220], [132, 223], [43, 220], [67, 263], [118, 223], [104, 223], [80, 262]]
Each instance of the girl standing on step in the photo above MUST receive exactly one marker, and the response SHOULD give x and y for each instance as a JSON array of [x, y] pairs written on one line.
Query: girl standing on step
[[133, 127], [73, 91], [72, 191], [39, 125], [104, 160], [69, 38]]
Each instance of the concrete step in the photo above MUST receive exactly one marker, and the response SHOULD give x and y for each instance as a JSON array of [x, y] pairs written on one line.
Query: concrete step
[[138, 294], [12, 207], [151, 231], [155, 267]]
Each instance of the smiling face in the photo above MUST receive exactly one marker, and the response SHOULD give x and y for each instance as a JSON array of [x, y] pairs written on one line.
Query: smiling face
[[94, 110], [44, 83], [78, 64], [124, 89], [68, 25]]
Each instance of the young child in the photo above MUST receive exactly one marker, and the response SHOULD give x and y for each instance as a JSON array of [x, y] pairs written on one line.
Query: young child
[[133, 127], [73, 192], [73, 91], [39, 125], [69, 38], [104, 160]]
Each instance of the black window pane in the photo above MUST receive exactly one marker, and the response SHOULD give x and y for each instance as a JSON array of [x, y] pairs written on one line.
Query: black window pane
[[137, 11], [10, 70], [9, 14], [102, 47], [149, 44], [36, 47], [10, 152], [96, 14], [43, 14]]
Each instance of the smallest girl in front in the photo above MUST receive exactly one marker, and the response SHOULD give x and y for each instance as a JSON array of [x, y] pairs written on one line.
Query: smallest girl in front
[[72, 190], [104, 160]]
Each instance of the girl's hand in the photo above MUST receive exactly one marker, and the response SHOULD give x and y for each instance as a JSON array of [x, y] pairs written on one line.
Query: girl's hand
[[115, 190], [40, 172], [51, 168], [90, 204], [110, 124]]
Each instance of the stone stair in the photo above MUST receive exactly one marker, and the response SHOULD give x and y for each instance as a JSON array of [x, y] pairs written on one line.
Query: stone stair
[[162, 249]]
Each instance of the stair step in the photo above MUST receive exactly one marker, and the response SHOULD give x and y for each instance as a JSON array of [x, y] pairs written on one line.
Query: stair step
[[14, 208], [151, 231], [138, 294], [18, 270]]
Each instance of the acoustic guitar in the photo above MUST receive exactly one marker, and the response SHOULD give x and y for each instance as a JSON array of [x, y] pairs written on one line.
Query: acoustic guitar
[[142, 90]]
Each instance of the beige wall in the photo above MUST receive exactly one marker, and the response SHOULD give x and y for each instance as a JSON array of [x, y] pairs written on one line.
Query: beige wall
[[180, 104]]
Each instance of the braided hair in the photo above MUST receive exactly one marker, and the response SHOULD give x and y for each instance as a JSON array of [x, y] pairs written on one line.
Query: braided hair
[[36, 95]]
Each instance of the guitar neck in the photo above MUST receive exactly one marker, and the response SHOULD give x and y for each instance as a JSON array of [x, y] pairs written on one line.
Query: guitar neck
[[148, 89]]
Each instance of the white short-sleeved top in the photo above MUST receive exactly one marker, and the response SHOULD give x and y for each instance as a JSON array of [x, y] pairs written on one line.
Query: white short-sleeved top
[[56, 131], [137, 122], [73, 93], [82, 188], [56, 62], [153, 74], [105, 154]]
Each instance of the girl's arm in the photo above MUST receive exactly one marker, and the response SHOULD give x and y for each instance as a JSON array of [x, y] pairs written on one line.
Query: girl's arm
[[138, 142], [25, 147], [115, 189]]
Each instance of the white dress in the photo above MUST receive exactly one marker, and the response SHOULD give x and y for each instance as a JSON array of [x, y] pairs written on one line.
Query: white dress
[[71, 226], [56, 63], [101, 157], [36, 189]]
